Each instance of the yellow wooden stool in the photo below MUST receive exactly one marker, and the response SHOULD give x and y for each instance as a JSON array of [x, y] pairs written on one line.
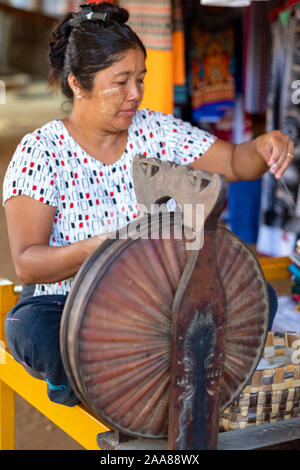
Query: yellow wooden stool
[[78, 422]]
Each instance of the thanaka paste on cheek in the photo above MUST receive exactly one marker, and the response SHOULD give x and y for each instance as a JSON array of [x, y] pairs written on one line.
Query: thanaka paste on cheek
[[110, 100]]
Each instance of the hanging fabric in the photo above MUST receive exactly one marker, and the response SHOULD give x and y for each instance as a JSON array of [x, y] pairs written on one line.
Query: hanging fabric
[[212, 64], [243, 196], [280, 221], [159, 25], [257, 46]]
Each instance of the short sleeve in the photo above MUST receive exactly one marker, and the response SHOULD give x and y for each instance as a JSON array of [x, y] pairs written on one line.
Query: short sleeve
[[30, 172], [186, 142]]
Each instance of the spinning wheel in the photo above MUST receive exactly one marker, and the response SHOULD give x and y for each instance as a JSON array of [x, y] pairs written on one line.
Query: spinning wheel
[[156, 339]]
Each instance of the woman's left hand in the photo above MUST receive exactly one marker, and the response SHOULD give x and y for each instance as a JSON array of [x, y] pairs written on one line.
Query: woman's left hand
[[276, 148]]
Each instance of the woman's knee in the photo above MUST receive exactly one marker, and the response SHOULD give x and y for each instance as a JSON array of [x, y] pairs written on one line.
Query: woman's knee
[[12, 328], [32, 330]]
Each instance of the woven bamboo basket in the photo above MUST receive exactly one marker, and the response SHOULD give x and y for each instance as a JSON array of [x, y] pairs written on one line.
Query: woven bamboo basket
[[273, 393]]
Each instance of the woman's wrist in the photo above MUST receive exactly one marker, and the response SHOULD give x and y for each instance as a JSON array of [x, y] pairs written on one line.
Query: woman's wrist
[[248, 163], [260, 151], [87, 246]]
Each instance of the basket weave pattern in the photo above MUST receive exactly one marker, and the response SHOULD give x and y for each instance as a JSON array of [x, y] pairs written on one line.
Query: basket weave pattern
[[273, 393]]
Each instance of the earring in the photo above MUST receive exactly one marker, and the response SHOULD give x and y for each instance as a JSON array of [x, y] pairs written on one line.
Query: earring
[[78, 95]]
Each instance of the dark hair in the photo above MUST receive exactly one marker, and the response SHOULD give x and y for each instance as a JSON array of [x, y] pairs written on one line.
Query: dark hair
[[90, 46]]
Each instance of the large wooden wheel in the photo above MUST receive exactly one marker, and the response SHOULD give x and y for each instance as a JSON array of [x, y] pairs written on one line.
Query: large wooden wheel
[[118, 323]]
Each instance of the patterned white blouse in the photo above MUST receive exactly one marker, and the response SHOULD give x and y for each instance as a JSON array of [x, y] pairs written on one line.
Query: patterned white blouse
[[91, 197]]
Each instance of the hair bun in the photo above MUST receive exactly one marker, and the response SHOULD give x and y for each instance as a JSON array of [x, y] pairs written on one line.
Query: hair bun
[[114, 12]]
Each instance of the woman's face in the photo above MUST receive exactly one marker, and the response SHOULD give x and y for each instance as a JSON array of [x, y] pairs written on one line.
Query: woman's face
[[117, 93]]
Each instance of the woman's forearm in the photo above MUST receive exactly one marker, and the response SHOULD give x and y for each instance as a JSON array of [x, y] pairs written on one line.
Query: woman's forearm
[[47, 264], [247, 163], [273, 151]]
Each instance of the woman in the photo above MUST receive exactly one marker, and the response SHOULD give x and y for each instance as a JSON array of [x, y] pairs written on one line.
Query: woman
[[69, 183]]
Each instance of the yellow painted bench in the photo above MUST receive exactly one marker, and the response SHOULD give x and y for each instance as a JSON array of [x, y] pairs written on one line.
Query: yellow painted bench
[[78, 422]]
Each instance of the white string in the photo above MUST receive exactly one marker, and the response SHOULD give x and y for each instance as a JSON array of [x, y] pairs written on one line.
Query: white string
[[293, 204]]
